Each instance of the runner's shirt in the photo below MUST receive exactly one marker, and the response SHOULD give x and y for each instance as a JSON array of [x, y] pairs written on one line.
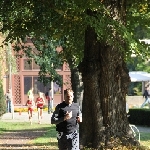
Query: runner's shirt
[[39, 102]]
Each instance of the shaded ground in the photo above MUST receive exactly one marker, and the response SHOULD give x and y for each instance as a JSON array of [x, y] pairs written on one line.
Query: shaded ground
[[20, 139]]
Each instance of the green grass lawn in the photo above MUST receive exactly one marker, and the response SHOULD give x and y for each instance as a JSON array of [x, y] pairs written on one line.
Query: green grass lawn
[[145, 139], [48, 139]]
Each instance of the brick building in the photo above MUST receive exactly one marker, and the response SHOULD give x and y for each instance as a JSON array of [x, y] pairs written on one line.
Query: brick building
[[26, 78]]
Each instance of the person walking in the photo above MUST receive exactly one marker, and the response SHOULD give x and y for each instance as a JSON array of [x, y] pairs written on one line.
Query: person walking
[[49, 100], [40, 103], [8, 101], [30, 103], [146, 95], [66, 117]]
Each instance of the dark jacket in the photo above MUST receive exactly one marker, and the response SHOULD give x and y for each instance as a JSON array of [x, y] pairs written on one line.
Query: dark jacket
[[145, 94], [69, 125]]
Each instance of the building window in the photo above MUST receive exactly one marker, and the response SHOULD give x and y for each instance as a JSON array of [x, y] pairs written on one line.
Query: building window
[[32, 81], [57, 89], [27, 65], [35, 66], [30, 65], [59, 68], [39, 86], [27, 84]]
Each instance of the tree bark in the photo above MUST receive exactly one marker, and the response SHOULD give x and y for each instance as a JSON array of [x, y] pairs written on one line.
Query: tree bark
[[77, 85], [106, 80]]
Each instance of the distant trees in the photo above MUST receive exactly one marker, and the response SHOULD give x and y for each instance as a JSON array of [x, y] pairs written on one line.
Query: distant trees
[[6, 59], [2, 73], [2, 101], [137, 64]]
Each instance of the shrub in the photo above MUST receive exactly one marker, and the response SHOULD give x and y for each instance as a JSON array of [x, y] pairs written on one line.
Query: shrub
[[2, 101], [139, 116]]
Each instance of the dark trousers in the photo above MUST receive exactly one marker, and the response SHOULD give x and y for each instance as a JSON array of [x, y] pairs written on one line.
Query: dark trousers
[[50, 106], [68, 141]]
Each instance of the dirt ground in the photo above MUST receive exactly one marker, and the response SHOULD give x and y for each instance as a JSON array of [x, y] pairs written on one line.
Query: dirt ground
[[20, 140]]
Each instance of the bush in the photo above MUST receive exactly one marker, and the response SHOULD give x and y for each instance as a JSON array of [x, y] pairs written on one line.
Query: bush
[[2, 101], [139, 116]]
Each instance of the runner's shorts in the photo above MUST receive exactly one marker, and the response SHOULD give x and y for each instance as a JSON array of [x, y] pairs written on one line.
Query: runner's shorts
[[68, 141]]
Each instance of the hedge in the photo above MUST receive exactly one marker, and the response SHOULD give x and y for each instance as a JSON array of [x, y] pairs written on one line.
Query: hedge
[[139, 116]]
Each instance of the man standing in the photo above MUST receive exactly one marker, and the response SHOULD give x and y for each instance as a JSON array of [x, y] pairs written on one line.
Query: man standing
[[8, 101], [66, 117], [49, 99], [146, 95]]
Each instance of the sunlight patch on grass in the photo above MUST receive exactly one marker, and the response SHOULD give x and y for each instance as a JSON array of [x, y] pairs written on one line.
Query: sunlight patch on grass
[[48, 139], [145, 139]]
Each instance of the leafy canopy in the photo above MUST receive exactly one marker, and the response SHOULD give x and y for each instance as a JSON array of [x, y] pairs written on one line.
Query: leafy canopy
[[63, 23]]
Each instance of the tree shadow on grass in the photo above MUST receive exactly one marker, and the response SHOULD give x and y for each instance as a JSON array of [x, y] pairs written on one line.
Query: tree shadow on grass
[[26, 139], [48, 139]]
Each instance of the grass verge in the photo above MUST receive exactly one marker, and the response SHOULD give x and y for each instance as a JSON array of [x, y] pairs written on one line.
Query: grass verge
[[48, 139]]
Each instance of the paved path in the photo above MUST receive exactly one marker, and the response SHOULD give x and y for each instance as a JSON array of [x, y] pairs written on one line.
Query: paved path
[[23, 117], [143, 129]]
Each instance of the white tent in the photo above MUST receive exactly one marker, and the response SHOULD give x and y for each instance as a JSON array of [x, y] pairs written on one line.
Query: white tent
[[139, 76]]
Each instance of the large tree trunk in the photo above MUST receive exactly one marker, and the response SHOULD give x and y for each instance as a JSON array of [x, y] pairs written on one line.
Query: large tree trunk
[[77, 86], [106, 80]]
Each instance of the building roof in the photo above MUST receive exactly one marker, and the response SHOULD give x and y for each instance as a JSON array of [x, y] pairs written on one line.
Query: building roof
[[139, 76]]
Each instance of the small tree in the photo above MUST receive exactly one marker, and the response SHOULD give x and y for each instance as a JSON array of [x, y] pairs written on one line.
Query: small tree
[[6, 58], [2, 101]]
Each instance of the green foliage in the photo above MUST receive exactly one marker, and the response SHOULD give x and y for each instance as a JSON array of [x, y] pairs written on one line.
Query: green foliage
[[10, 59], [51, 23], [67, 21], [138, 64], [2, 101], [45, 56], [144, 66]]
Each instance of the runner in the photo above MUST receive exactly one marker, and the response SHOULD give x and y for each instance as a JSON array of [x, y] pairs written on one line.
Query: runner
[[40, 103], [30, 103]]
